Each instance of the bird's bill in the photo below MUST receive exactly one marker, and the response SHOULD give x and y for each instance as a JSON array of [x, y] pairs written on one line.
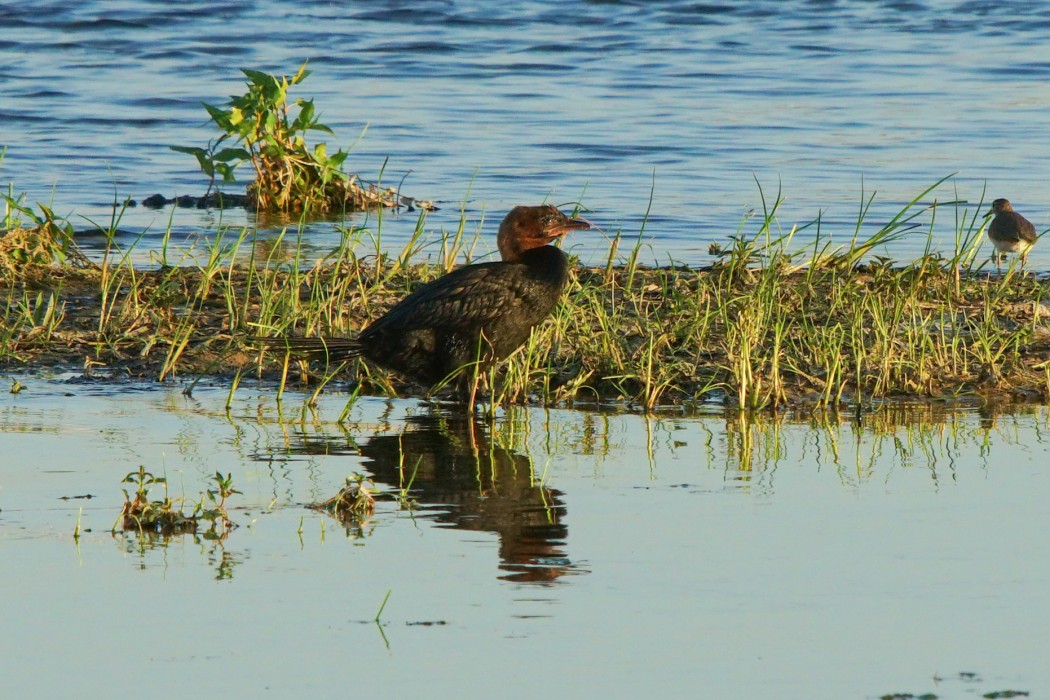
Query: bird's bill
[[560, 229]]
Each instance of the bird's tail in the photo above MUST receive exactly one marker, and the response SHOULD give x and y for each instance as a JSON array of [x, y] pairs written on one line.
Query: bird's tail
[[331, 349]]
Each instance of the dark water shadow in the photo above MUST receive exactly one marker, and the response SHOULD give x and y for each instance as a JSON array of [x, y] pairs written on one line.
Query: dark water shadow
[[465, 474]]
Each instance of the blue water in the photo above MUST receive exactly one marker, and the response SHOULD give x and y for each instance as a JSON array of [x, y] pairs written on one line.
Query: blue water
[[483, 106]]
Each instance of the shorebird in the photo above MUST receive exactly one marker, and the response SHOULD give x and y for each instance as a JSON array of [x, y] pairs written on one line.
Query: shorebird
[[1009, 231]]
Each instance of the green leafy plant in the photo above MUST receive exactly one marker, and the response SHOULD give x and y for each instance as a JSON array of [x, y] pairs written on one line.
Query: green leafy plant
[[216, 162], [291, 176], [163, 516], [215, 508]]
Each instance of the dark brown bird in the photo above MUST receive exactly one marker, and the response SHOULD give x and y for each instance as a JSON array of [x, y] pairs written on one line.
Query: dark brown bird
[[480, 312], [1009, 231]]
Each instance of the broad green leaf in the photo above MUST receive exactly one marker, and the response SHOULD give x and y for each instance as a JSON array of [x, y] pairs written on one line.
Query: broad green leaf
[[217, 114], [228, 154], [336, 161], [226, 171], [306, 114], [192, 150], [257, 77]]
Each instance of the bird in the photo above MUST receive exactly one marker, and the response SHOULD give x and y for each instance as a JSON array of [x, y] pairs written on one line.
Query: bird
[[1009, 231], [477, 314]]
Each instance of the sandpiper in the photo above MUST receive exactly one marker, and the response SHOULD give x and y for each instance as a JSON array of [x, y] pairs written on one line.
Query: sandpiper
[[1009, 231]]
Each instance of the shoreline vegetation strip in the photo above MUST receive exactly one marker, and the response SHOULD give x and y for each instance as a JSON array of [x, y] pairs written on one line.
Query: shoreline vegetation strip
[[765, 327]]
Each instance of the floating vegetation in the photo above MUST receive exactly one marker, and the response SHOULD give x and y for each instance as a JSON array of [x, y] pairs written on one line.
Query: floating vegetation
[[354, 502], [163, 516], [290, 176], [166, 517], [965, 677]]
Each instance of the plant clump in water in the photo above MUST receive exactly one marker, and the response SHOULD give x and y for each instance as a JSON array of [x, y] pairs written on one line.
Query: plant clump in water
[[159, 516], [41, 240], [354, 501], [166, 517], [291, 176]]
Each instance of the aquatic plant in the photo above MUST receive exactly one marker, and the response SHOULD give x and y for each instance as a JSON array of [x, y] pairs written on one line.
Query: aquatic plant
[[160, 516], [213, 506], [290, 175], [353, 502], [166, 516]]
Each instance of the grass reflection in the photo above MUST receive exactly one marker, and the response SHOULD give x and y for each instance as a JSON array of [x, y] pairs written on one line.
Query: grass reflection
[[859, 444]]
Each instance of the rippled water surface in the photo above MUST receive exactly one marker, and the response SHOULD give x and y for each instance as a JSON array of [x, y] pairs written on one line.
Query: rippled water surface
[[561, 553], [489, 105]]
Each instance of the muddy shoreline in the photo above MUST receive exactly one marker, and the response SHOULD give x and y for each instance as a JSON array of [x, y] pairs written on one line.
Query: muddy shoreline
[[193, 322]]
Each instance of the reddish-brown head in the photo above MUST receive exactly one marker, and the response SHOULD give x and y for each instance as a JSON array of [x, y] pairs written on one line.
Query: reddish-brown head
[[525, 228]]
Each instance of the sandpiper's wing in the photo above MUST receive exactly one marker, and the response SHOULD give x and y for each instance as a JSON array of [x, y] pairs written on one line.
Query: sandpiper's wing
[[1011, 227]]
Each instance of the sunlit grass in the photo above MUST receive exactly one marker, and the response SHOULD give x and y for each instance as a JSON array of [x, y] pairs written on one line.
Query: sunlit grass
[[784, 316]]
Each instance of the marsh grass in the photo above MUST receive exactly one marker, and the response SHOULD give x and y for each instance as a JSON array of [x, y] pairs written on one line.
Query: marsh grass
[[35, 237], [784, 317]]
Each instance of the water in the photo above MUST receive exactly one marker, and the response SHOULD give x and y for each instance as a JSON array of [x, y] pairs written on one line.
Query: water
[[485, 107], [569, 553]]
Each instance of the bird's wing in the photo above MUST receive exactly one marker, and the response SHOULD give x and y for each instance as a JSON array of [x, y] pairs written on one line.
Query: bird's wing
[[465, 298], [1028, 231], [1013, 227]]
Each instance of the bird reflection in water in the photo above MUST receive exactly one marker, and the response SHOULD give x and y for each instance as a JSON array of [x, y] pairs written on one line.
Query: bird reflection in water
[[473, 482]]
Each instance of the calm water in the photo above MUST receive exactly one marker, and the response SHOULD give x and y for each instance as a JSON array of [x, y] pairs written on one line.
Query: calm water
[[561, 553], [486, 106]]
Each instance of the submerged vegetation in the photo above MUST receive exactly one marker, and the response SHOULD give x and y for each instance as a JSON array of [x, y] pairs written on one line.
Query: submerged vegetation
[[769, 325]]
